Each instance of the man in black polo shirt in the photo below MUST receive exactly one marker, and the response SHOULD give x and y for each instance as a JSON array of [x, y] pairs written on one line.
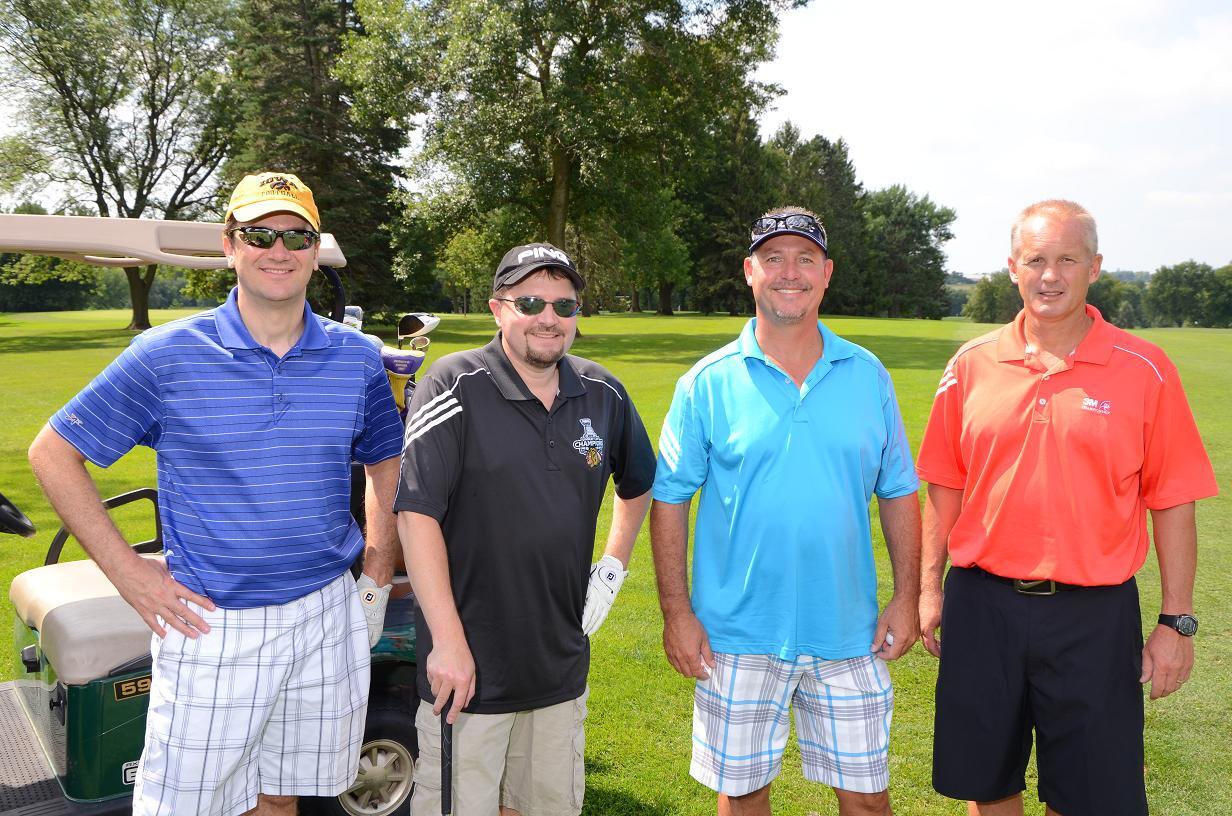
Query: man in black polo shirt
[[508, 452]]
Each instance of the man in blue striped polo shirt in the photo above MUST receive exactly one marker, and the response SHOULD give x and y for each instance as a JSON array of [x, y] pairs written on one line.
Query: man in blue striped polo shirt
[[788, 432], [256, 410]]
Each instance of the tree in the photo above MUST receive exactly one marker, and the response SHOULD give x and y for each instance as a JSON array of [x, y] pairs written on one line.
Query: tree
[[1107, 294], [1177, 294], [465, 269], [293, 114], [906, 263], [1219, 298], [994, 299], [121, 102], [565, 111], [818, 175]]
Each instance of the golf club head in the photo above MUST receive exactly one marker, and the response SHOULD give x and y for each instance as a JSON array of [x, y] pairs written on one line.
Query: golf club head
[[13, 520], [416, 324]]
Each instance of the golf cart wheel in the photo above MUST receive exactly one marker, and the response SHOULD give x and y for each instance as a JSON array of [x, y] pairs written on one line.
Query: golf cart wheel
[[386, 767]]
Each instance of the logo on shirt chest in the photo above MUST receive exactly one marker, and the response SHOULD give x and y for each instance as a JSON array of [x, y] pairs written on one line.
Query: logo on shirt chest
[[1097, 405], [589, 444]]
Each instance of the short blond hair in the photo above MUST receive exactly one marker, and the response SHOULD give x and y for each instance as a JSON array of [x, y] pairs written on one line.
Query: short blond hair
[[1057, 208]]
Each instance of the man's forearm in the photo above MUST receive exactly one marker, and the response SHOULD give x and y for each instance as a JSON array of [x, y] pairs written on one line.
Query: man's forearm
[[900, 524], [61, 472], [380, 522], [1176, 546], [427, 563], [941, 508], [627, 518], [669, 542]]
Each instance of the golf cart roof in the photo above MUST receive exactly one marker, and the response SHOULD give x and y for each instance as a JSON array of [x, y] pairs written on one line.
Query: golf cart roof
[[128, 241]]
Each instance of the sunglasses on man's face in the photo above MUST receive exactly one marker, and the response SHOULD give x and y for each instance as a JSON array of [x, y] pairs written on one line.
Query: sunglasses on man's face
[[264, 237], [532, 305]]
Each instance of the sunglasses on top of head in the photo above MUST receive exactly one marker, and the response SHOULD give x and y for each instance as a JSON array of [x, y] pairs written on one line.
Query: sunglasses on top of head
[[796, 221], [532, 305], [264, 237]]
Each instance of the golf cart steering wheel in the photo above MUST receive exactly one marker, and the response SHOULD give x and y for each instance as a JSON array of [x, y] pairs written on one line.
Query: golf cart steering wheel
[[13, 520]]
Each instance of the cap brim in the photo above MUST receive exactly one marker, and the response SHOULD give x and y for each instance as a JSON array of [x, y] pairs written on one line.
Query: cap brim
[[763, 238], [519, 275], [260, 209]]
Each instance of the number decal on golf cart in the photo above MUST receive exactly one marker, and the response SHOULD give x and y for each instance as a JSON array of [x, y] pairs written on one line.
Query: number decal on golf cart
[[127, 689]]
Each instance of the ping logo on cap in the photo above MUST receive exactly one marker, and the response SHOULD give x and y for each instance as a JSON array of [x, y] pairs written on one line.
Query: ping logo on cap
[[543, 252]]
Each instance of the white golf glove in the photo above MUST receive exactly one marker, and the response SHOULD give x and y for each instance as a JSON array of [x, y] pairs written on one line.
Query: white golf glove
[[373, 599], [606, 576]]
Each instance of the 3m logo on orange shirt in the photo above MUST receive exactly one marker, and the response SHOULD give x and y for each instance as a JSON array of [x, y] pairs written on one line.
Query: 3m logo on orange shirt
[[1098, 406]]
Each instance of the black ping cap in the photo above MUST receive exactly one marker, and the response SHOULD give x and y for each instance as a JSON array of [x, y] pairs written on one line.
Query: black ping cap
[[523, 260]]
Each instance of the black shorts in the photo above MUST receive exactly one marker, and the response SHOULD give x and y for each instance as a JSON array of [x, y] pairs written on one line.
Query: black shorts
[[1064, 665]]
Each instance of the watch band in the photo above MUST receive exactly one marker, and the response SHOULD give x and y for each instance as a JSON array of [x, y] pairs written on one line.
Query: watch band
[[1185, 625]]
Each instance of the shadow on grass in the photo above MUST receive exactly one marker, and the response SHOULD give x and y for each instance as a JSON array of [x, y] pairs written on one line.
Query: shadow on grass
[[895, 352], [65, 341], [908, 352], [602, 801]]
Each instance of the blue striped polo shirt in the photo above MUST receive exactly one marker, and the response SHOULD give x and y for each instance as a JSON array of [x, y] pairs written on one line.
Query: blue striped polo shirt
[[254, 452], [782, 554]]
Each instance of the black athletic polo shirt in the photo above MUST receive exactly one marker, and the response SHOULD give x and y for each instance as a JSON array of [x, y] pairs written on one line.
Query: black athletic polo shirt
[[516, 489]]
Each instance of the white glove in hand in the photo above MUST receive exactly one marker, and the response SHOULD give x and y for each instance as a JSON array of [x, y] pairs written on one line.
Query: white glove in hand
[[373, 599], [605, 579]]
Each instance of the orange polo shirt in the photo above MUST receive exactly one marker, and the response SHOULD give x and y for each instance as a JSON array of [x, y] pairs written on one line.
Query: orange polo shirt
[[1059, 467]]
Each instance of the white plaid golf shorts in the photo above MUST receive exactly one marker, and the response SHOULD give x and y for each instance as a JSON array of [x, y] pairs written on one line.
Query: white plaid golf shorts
[[843, 710], [272, 700]]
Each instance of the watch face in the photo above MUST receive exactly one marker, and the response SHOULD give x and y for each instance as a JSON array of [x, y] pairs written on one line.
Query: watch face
[[1187, 625]]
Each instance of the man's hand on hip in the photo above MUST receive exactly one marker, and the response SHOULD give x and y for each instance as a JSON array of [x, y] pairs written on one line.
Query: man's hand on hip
[[146, 584], [373, 599], [451, 670], [1167, 660], [606, 578], [686, 645], [897, 628]]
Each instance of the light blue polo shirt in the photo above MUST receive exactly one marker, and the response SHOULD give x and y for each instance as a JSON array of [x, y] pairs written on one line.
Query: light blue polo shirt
[[782, 553], [254, 452]]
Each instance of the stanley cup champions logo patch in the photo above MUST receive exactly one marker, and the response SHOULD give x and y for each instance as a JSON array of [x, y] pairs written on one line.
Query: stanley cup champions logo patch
[[589, 444]]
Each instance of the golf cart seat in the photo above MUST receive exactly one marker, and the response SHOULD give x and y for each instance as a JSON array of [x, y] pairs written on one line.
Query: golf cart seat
[[86, 630]]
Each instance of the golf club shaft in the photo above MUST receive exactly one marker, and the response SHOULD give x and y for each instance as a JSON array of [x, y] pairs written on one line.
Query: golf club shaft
[[446, 760]]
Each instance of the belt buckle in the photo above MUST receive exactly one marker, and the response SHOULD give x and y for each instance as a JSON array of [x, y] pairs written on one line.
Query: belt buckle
[[1043, 587]]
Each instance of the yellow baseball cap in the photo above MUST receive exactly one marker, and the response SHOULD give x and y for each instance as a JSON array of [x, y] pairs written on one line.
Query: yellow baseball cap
[[266, 193]]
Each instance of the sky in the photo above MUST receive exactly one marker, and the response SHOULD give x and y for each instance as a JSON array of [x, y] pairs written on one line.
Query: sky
[[1122, 105]]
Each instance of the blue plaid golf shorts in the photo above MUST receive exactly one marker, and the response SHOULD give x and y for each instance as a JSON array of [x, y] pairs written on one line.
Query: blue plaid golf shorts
[[843, 710]]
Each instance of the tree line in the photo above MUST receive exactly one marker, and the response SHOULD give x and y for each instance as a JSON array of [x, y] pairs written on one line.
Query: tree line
[[437, 133], [1184, 294]]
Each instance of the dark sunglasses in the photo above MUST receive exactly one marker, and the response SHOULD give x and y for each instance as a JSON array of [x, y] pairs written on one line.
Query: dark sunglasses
[[532, 305], [264, 237], [797, 222]]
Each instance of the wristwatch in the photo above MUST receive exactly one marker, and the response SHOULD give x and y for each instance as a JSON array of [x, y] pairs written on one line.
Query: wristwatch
[[1185, 625]]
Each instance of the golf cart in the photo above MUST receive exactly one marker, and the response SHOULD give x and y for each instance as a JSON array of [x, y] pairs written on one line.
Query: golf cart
[[72, 727]]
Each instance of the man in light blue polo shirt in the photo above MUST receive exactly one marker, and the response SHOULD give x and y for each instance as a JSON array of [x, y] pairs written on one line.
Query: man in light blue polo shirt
[[256, 410], [788, 432]]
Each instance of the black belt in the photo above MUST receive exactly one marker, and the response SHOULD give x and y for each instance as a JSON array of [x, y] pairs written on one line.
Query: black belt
[[1026, 586]]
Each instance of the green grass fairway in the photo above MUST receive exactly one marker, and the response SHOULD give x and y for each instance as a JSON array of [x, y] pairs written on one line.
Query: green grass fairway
[[638, 735]]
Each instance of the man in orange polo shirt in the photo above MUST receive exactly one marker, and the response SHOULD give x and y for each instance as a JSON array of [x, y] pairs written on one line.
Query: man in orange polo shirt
[[1049, 440]]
